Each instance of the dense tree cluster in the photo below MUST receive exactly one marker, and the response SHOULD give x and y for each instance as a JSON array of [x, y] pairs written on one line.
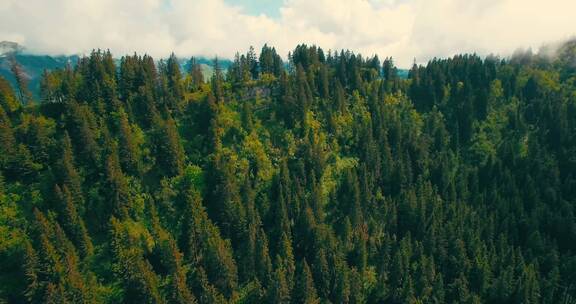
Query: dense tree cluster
[[323, 179]]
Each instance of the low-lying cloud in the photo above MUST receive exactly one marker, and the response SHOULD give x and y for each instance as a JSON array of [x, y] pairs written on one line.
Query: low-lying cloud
[[404, 29]]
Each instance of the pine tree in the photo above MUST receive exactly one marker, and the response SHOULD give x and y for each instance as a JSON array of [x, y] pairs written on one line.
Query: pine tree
[[357, 294], [279, 291], [270, 62], [323, 275], [56, 273], [169, 152], [7, 137], [226, 204], [196, 76], [342, 294], [528, 288], [246, 255], [263, 263], [141, 284], [206, 247], [81, 125], [22, 79], [70, 176], [217, 82], [278, 214], [118, 194], [252, 63], [304, 290], [32, 268], [179, 292], [303, 94], [129, 152], [221, 266], [72, 222], [174, 85], [8, 99]]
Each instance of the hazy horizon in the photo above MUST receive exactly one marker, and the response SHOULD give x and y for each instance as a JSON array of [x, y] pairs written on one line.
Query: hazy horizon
[[403, 29]]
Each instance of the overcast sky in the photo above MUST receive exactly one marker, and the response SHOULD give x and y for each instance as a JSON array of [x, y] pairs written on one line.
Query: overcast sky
[[404, 29]]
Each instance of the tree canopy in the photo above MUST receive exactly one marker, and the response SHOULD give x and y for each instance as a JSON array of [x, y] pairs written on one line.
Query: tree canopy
[[324, 178]]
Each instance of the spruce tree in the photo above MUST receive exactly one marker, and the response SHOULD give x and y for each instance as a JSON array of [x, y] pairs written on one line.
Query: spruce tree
[[304, 290]]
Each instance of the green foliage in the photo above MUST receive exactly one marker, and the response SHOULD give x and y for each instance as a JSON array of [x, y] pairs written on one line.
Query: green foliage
[[304, 289], [326, 180]]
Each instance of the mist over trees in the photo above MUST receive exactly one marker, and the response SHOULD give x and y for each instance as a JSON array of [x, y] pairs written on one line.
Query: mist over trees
[[323, 179]]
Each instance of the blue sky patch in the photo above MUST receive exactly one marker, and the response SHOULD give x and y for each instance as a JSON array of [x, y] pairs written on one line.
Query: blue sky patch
[[270, 8]]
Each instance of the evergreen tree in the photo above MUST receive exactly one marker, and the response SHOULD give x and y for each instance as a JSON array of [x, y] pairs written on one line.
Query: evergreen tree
[[118, 194], [168, 149], [72, 222], [129, 152], [140, 282], [279, 291], [8, 99], [24, 93], [206, 248], [70, 176], [304, 290], [7, 137], [195, 72]]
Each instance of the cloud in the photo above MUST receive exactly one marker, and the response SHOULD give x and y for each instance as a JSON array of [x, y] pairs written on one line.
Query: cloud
[[404, 29], [446, 27]]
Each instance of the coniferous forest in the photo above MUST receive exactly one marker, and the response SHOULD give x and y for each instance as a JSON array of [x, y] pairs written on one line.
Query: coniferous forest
[[321, 178]]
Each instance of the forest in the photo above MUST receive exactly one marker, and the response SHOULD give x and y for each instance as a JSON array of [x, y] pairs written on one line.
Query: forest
[[324, 177]]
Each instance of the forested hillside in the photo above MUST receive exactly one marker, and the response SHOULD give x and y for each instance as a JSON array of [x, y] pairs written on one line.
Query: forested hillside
[[32, 66], [324, 179]]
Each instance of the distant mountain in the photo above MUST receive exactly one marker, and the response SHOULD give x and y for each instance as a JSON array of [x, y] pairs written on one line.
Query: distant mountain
[[403, 73], [207, 65], [34, 65]]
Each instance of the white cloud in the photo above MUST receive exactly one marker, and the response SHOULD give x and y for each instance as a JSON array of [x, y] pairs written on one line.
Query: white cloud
[[446, 27], [404, 29]]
